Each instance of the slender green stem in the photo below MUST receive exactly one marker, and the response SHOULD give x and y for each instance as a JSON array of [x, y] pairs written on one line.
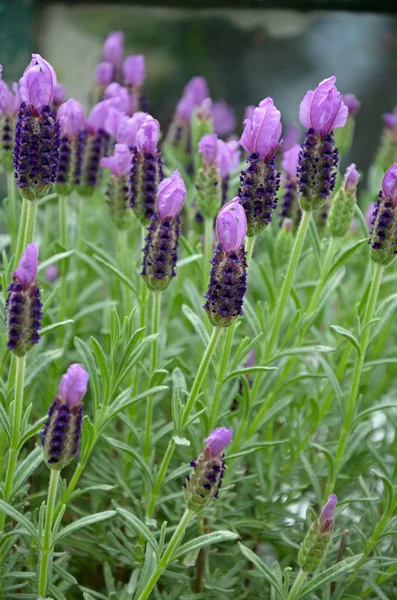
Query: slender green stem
[[30, 221], [12, 210], [17, 410], [249, 248], [351, 405], [149, 406], [227, 348], [168, 554], [46, 547], [21, 230], [142, 310], [201, 373], [122, 236], [71, 487], [79, 245], [208, 235], [64, 243], [298, 584], [289, 278], [160, 478]]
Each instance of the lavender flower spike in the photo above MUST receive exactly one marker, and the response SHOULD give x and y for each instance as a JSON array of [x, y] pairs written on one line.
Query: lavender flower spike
[[104, 74], [261, 180], [290, 208], [228, 278], [118, 189], [321, 110], [383, 236], [37, 84], [71, 120], [343, 205], [387, 153], [205, 480], [23, 306], [62, 431], [92, 146], [228, 158], [209, 184], [113, 48], [353, 104], [9, 106], [160, 252], [315, 544]]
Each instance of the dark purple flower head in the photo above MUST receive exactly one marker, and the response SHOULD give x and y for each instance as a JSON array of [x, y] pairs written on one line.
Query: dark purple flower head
[[218, 439], [224, 118], [147, 135], [26, 271], [383, 234], [74, 383], [104, 73], [228, 156], [261, 134], [208, 148], [323, 109], [171, 196], [390, 119], [71, 117], [291, 160], [120, 162], [197, 88], [113, 48], [231, 226], [134, 70], [353, 104], [38, 83], [327, 517]]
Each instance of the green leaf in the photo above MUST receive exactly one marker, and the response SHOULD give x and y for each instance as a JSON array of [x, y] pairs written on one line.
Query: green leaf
[[344, 257], [84, 522], [348, 335], [54, 259], [54, 326], [129, 450], [14, 514], [216, 537], [188, 260], [126, 399], [247, 371], [330, 574], [140, 527], [303, 350], [197, 324], [118, 274], [4, 421], [257, 448], [264, 569], [87, 359], [39, 363], [102, 363], [26, 468]]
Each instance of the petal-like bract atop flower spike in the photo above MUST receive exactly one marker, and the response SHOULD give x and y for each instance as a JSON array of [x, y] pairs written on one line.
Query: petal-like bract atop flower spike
[[7, 100], [224, 118], [249, 111], [353, 104], [120, 162], [74, 384], [208, 147], [218, 439], [228, 156], [390, 119], [327, 514], [291, 137], [171, 196], [262, 133], [147, 135], [231, 226], [185, 107], [97, 117], [113, 48], [134, 70], [71, 117], [290, 160], [38, 83], [104, 73], [27, 267], [59, 94], [113, 121], [352, 177], [197, 87], [120, 96], [323, 109], [126, 133], [389, 183]]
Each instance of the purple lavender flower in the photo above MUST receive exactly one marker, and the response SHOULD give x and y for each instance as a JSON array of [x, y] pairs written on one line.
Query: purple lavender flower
[[291, 138], [146, 170], [51, 273], [36, 149], [104, 74], [92, 146], [321, 110], [249, 112], [118, 185], [160, 252], [224, 118], [205, 480], [315, 544], [113, 121], [113, 48], [209, 183], [58, 95], [327, 516], [261, 180], [134, 70], [353, 104], [197, 88], [390, 119], [120, 98], [62, 431], [228, 158], [71, 119], [208, 148], [23, 306], [290, 208], [370, 214], [383, 236], [228, 278], [9, 106]]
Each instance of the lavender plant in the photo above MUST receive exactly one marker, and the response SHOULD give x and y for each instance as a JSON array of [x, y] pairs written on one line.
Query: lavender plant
[[284, 364]]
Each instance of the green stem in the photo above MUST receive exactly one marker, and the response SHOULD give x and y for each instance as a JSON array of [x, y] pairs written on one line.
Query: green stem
[[289, 278], [79, 244], [21, 230], [298, 584], [12, 210], [160, 478], [249, 248], [208, 235], [168, 554], [15, 431], [227, 348], [201, 373], [71, 487], [149, 406], [46, 548], [351, 405], [30, 221], [63, 266]]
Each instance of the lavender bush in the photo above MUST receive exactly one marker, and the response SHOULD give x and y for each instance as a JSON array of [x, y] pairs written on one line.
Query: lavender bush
[[197, 377]]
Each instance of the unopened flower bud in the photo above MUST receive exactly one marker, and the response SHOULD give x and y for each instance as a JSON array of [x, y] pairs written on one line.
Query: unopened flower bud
[[113, 48], [205, 480], [342, 210], [118, 185], [284, 243], [383, 236], [71, 119], [315, 544], [209, 184]]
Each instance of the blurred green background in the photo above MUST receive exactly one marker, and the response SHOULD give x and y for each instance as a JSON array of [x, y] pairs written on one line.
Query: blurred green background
[[245, 54]]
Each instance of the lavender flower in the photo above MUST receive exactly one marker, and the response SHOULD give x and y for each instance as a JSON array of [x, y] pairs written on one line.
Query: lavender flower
[[9, 106], [228, 278], [370, 214], [228, 158], [71, 119], [23, 306], [197, 88], [51, 273], [58, 96], [205, 480], [118, 189], [223, 117], [134, 75], [62, 431], [92, 146], [383, 236], [315, 544], [387, 153], [113, 48], [261, 180], [36, 149], [146, 170], [342, 210], [353, 104], [321, 110], [127, 129], [390, 119], [122, 100], [104, 74], [291, 138], [160, 252], [209, 188], [290, 208]]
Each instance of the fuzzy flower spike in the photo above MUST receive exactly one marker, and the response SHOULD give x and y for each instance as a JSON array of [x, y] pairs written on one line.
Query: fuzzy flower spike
[[10, 102], [387, 153], [205, 480], [23, 306], [228, 277], [36, 149], [160, 252], [261, 180], [71, 119], [93, 143], [290, 208], [134, 75], [118, 189], [315, 544], [383, 235], [321, 111], [62, 431], [343, 205], [146, 169]]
